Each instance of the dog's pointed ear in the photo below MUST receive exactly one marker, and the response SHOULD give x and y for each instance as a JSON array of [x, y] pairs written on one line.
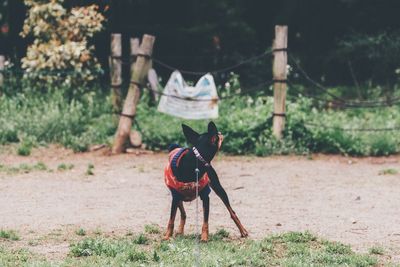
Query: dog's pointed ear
[[212, 128], [191, 135]]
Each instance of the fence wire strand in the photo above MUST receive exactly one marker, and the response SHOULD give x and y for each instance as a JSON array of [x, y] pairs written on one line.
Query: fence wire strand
[[344, 102], [241, 92], [215, 71], [389, 129]]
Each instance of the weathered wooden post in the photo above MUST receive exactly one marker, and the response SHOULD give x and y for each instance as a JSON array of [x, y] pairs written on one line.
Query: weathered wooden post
[[2, 66], [135, 138], [138, 73], [279, 73], [116, 72], [135, 45]]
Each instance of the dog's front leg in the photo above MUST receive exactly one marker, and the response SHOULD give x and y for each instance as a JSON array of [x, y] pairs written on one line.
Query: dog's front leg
[[183, 218], [170, 226], [220, 191], [206, 212]]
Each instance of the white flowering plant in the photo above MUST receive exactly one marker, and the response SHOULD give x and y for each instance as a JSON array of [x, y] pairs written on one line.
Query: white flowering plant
[[60, 52]]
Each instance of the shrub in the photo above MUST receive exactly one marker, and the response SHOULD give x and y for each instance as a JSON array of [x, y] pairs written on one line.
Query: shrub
[[60, 52]]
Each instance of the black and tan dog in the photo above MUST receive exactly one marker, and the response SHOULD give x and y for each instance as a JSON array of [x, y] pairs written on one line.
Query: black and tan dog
[[180, 177]]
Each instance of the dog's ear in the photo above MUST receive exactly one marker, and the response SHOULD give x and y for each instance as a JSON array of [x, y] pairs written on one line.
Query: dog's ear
[[191, 135], [212, 128]]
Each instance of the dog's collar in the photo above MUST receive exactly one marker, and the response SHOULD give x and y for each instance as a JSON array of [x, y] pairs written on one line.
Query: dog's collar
[[200, 157]]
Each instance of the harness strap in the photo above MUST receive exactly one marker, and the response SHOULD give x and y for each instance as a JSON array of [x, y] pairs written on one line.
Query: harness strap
[[175, 160], [200, 157]]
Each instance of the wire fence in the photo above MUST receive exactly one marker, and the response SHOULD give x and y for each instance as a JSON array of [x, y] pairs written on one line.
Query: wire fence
[[358, 103], [335, 101]]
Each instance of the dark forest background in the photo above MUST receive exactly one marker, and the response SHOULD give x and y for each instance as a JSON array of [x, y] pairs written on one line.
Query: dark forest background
[[337, 41]]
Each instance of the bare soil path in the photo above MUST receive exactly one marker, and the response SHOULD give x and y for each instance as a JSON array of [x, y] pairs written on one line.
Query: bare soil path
[[338, 198]]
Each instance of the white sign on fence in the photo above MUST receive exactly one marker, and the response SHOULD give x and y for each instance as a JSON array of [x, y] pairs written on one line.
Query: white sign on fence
[[190, 102]]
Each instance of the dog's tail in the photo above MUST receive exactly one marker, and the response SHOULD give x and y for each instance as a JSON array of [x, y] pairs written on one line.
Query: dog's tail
[[172, 147]]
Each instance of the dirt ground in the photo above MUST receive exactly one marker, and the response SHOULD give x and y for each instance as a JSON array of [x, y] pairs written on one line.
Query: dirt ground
[[338, 198]]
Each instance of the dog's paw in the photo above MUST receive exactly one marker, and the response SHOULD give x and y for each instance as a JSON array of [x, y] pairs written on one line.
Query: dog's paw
[[166, 237], [204, 238], [244, 233], [179, 233], [204, 233]]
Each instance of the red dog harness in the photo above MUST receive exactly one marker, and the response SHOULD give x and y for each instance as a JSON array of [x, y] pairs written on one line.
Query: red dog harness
[[187, 190]]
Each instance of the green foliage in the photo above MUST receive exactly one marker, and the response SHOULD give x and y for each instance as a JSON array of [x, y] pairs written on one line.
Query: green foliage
[[379, 51], [32, 118], [9, 234], [246, 126], [26, 145]]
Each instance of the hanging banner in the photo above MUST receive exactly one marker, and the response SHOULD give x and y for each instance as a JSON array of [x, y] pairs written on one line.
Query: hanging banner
[[190, 102]]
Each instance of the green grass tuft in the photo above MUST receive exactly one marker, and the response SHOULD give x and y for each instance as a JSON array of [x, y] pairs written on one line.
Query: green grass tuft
[[9, 234], [23, 168], [89, 170], [151, 229], [80, 232], [141, 239], [377, 250], [65, 167], [388, 172]]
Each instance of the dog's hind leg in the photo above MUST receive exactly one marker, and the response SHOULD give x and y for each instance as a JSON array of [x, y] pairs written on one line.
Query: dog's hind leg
[[170, 226], [219, 190], [206, 212], [183, 219]]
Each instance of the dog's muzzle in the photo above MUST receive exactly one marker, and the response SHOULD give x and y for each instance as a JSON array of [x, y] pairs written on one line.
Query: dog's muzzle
[[220, 139]]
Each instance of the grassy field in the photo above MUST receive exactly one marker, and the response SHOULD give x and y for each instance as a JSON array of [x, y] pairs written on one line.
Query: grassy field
[[147, 249]]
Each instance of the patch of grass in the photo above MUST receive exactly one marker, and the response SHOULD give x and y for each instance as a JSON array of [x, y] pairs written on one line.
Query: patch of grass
[[9, 234], [151, 229], [24, 150], [97, 232], [33, 243], [377, 250], [388, 172], [65, 167], [141, 239], [16, 257], [23, 168], [220, 234], [80, 232], [89, 170], [288, 249]]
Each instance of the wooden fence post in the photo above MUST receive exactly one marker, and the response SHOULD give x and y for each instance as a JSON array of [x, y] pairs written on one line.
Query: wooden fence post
[[279, 76], [2, 65], [138, 73], [135, 45], [116, 72]]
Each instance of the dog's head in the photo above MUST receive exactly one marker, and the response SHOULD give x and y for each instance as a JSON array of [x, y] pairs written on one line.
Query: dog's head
[[207, 143]]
